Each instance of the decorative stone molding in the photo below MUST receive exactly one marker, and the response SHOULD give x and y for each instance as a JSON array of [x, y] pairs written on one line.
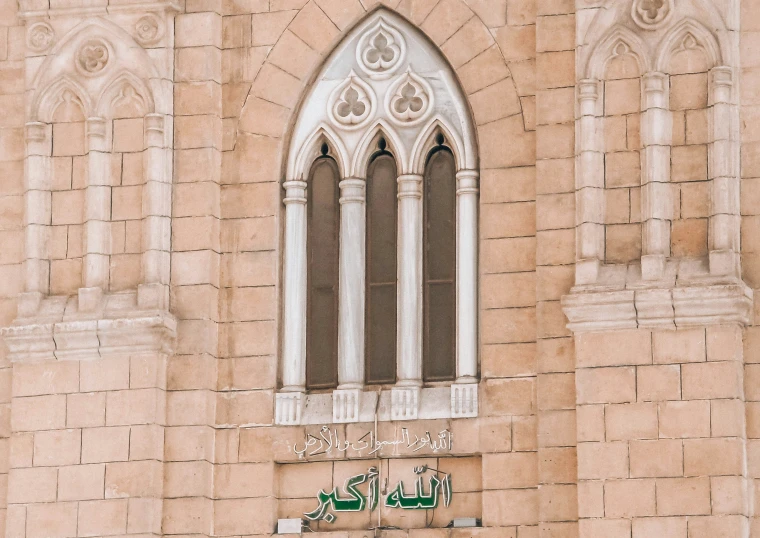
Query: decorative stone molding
[[687, 295], [410, 99], [288, 407], [92, 57], [352, 104], [55, 328], [651, 14], [346, 405], [381, 49], [353, 405], [40, 37], [149, 30], [464, 400], [405, 403]]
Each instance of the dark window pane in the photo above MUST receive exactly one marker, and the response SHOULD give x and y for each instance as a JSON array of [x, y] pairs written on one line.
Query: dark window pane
[[381, 271], [440, 365], [382, 327], [322, 258], [439, 267], [440, 197]]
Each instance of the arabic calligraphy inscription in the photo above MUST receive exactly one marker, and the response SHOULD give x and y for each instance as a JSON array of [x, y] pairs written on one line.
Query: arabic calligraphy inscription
[[354, 499], [328, 442]]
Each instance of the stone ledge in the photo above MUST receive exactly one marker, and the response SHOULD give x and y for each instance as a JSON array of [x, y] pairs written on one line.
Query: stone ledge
[[685, 300], [455, 401], [58, 330]]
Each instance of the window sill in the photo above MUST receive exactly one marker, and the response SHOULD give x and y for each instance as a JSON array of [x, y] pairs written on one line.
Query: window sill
[[398, 403]]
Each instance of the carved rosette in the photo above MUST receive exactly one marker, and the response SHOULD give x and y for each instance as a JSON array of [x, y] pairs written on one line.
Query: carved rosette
[[381, 50], [651, 14], [352, 104], [148, 30], [409, 99], [40, 37], [92, 57]]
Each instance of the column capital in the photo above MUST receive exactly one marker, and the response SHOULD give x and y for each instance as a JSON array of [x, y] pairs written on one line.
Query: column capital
[[410, 186], [722, 80], [352, 190], [295, 191], [588, 89], [96, 127], [467, 181], [38, 139], [722, 75], [655, 81], [154, 130]]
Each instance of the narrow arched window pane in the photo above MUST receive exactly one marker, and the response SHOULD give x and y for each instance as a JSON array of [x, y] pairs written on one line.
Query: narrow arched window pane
[[322, 252], [380, 329], [439, 267]]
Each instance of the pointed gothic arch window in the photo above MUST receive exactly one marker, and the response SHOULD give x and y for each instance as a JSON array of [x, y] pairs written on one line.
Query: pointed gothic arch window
[[380, 264], [322, 275]]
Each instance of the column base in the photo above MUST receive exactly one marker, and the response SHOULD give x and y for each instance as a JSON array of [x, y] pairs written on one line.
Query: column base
[[587, 271], [405, 403], [464, 400], [288, 408], [346, 405], [724, 263], [652, 266], [90, 299]]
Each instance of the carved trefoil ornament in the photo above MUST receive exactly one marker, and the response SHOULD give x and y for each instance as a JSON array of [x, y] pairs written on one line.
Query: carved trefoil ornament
[[380, 50], [92, 57], [651, 14], [148, 30], [40, 37], [409, 99], [352, 103]]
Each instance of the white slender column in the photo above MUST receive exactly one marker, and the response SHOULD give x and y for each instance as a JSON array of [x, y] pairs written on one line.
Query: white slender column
[[294, 289], [589, 192], [467, 276], [156, 214], [724, 175], [656, 196], [352, 275], [97, 234], [464, 392], [37, 214], [409, 318]]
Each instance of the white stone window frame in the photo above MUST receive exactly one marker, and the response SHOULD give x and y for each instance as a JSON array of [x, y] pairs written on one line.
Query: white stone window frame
[[351, 143]]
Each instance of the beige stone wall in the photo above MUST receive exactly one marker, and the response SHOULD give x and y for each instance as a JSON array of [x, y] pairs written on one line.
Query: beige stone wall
[[611, 433]]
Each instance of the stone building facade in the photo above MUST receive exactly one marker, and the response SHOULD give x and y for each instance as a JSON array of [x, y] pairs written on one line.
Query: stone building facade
[[161, 371]]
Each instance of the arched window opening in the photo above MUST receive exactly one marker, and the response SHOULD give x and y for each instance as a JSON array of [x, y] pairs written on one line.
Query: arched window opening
[[380, 273], [439, 265], [380, 308], [322, 274]]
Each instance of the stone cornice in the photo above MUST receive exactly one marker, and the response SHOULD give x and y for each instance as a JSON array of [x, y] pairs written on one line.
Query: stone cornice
[[629, 302], [58, 330], [88, 11]]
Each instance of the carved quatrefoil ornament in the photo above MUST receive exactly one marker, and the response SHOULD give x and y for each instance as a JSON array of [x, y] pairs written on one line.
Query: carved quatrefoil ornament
[[380, 50], [651, 14], [92, 57], [409, 99], [40, 37], [352, 104]]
